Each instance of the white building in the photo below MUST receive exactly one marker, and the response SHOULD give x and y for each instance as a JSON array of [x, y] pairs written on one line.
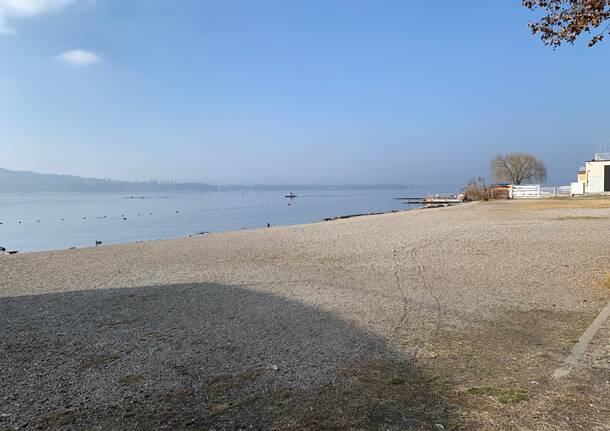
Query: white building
[[596, 175]]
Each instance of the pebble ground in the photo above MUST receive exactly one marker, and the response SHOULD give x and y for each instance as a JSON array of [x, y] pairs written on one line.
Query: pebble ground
[[414, 320]]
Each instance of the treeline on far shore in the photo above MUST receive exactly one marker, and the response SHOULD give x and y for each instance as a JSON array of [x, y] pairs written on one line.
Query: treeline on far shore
[[32, 182]]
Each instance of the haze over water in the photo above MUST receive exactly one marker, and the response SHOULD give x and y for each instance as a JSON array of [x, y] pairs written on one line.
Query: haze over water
[[60, 221]]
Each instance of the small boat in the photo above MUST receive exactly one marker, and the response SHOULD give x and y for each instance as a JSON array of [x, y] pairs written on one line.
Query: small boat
[[290, 195]]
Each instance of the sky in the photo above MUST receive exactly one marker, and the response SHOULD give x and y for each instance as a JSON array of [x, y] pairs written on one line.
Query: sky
[[281, 91]]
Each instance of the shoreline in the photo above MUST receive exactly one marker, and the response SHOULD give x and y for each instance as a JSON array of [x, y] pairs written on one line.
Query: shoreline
[[202, 233]]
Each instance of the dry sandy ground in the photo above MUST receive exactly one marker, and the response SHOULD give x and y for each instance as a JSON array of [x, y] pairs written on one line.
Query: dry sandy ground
[[448, 318]]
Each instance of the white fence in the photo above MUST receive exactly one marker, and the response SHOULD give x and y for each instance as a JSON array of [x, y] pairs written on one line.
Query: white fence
[[525, 192], [553, 192], [577, 188], [534, 191]]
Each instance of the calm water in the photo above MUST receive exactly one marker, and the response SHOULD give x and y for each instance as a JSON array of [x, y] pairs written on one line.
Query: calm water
[[60, 221]]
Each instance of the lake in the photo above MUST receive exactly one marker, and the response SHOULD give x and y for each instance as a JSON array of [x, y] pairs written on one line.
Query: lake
[[37, 222]]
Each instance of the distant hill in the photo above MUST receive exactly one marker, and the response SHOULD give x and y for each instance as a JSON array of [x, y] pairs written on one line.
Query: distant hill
[[29, 182], [32, 182]]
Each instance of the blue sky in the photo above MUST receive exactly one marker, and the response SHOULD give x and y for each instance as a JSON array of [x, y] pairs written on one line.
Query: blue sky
[[333, 91]]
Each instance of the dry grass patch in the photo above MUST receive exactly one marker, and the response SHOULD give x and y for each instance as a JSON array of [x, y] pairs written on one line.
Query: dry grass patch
[[604, 283], [219, 409], [95, 361], [58, 418], [396, 381], [503, 396], [389, 395], [130, 379], [562, 203]]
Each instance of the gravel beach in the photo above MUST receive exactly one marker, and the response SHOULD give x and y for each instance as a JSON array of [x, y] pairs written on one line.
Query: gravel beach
[[445, 318]]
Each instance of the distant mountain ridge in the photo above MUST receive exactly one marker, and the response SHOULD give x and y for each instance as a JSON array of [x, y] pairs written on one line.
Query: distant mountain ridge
[[33, 182]]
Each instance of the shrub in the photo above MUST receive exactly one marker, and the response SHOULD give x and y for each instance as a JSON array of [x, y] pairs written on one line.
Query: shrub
[[477, 190]]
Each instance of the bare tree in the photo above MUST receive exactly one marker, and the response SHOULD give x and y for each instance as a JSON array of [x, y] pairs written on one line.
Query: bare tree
[[565, 20], [517, 168]]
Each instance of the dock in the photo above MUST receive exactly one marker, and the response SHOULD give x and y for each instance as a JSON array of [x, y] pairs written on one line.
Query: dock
[[430, 200]]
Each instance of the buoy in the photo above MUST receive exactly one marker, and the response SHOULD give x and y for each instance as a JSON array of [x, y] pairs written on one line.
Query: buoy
[[84, 218]]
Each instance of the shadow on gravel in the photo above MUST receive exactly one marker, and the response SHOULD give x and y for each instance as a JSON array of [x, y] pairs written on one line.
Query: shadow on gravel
[[202, 356]]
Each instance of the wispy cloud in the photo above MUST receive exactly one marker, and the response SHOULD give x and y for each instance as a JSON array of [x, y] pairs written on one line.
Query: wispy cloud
[[25, 9], [79, 58]]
